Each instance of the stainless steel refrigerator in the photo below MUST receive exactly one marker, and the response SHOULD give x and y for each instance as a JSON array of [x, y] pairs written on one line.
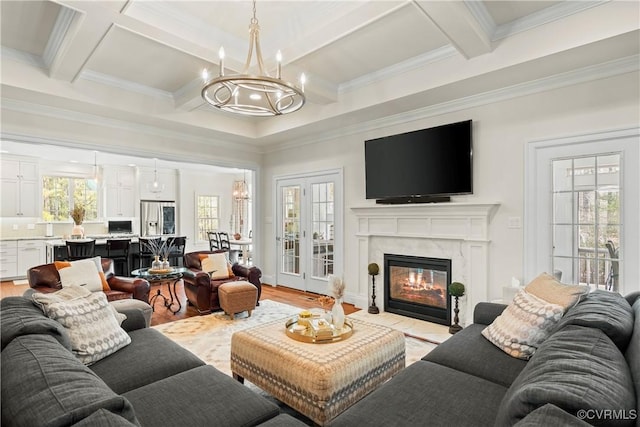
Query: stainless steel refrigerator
[[157, 218]]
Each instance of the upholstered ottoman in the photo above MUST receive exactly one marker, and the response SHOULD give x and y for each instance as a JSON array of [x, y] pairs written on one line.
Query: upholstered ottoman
[[236, 297]]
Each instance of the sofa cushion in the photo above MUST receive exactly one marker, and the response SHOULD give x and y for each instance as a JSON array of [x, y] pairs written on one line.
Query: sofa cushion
[[468, 351], [550, 415], [576, 368], [608, 311], [150, 357], [104, 418], [523, 325], [92, 323], [203, 396], [632, 355], [43, 384], [427, 394], [20, 316], [546, 287]]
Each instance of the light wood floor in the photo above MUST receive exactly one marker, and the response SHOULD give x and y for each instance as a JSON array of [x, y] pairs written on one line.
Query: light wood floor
[[162, 315]]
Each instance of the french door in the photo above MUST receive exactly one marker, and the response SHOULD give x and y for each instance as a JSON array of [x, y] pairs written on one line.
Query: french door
[[309, 230]]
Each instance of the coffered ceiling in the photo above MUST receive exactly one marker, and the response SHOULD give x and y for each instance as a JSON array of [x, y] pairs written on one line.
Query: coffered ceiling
[[139, 63]]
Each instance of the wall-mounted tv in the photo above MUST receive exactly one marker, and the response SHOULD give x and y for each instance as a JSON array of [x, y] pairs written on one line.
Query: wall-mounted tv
[[427, 165]]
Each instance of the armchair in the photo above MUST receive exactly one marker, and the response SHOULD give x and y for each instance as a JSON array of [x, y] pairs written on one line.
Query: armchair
[[202, 291], [45, 278]]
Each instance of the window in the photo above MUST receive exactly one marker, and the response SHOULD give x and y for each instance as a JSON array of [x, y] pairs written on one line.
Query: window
[[587, 220], [207, 210], [60, 194]]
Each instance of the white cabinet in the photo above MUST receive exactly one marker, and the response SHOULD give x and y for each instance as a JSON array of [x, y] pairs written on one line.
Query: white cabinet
[[120, 191], [19, 186], [166, 189], [30, 254], [8, 259]]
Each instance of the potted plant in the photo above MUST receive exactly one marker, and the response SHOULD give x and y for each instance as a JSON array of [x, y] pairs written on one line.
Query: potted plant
[[456, 290], [373, 272], [77, 214]]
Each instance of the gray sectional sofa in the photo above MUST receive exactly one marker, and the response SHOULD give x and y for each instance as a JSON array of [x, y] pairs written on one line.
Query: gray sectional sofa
[[150, 382], [586, 372]]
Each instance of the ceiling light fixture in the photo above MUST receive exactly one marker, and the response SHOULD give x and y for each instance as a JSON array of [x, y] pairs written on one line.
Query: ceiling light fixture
[[253, 95], [155, 186]]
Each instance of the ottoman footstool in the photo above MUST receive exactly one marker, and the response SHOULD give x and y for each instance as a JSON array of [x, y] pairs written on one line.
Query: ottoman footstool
[[236, 297]]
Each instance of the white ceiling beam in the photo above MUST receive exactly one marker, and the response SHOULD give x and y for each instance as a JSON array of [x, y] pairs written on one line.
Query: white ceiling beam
[[458, 24]]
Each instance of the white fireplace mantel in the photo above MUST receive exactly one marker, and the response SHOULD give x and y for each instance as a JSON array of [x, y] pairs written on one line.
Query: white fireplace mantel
[[456, 231]]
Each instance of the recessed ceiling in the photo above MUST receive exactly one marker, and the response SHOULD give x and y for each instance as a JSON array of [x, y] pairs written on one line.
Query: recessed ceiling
[[136, 64]]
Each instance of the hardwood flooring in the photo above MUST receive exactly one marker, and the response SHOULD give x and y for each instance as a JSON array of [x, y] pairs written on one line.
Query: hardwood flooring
[[162, 315]]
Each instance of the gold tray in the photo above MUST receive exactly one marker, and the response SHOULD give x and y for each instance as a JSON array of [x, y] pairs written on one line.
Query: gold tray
[[161, 271], [307, 335]]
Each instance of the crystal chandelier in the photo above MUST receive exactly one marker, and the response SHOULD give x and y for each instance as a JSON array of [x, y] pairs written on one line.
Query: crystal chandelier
[[253, 95]]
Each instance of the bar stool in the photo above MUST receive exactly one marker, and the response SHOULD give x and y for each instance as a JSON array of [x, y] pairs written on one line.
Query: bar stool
[[118, 251], [177, 245], [80, 250], [145, 252]]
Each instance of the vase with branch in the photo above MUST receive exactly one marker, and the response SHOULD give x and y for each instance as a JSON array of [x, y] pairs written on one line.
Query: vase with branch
[[77, 214], [456, 290], [336, 289], [373, 270]]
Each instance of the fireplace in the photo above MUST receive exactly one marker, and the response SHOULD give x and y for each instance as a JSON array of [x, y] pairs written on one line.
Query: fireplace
[[417, 287]]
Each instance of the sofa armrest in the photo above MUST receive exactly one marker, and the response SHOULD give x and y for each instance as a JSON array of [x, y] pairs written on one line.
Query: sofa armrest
[[252, 273], [138, 313], [486, 312], [197, 277], [138, 287]]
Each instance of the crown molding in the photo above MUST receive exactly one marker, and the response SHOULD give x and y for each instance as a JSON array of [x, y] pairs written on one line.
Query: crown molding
[[99, 121], [482, 16], [30, 59], [586, 74], [58, 33], [544, 16], [438, 54]]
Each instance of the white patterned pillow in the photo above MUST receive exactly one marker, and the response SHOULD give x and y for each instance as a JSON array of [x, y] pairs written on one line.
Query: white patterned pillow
[[523, 325], [216, 265], [92, 323]]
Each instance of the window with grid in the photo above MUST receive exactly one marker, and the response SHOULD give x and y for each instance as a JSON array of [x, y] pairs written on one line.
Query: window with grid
[[587, 220], [60, 194], [208, 211]]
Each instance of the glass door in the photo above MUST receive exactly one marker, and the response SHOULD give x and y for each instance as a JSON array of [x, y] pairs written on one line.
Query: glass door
[[309, 231]]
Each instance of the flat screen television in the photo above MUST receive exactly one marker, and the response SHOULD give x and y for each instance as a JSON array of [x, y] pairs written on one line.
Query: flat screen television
[[427, 165]]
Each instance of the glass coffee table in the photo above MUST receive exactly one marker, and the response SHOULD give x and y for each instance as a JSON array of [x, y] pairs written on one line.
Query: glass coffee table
[[174, 274]]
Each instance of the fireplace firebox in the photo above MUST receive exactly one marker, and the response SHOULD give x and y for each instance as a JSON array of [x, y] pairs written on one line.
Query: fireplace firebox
[[417, 287]]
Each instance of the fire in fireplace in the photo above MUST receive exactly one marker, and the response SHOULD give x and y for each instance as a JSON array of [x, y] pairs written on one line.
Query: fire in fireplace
[[417, 287]]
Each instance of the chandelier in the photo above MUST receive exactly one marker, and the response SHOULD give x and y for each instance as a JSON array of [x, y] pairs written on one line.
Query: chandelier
[[155, 186], [253, 95]]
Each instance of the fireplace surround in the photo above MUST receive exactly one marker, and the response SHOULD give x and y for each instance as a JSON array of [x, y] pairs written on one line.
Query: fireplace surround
[[417, 287], [455, 231]]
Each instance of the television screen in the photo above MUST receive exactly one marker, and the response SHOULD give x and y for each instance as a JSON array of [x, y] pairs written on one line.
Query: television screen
[[430, 162]]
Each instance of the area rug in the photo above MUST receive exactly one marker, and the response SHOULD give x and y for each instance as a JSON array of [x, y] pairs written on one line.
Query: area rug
[[209, 336]]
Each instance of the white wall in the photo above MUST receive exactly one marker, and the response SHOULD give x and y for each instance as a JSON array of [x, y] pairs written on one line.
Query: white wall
[[501, 131]]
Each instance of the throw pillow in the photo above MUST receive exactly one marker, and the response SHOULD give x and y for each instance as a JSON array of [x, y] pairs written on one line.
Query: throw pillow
[[92, 323], [216, 265], [523, 325], [85, 272], [546, 287]]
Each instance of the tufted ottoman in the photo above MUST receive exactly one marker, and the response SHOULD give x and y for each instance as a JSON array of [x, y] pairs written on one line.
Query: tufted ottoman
[[236, 297]]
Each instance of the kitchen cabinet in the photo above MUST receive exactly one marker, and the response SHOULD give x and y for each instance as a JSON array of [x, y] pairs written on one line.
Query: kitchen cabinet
[[120, 192], [19, 185], [30, 254], [8, 259]]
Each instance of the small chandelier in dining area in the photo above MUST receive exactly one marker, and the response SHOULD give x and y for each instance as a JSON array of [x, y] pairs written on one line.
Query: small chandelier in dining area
[[253, 95]]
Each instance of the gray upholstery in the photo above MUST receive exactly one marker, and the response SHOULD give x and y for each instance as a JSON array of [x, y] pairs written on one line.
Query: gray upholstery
[[427, 394], [166, 359], [472, 353], [485, 313], [607, 311], [576, 368], [51, 387], [632, 354], [213, 399], [44, 384], [19, 316], [550, 415], [283, 420], [138, 313]]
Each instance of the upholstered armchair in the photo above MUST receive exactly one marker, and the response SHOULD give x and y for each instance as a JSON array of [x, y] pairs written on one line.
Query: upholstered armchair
[[202, 290], [45, 278]]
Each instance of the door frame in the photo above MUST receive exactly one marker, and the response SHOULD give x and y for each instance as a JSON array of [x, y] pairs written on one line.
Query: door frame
[[338, 244], [538, 207]]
